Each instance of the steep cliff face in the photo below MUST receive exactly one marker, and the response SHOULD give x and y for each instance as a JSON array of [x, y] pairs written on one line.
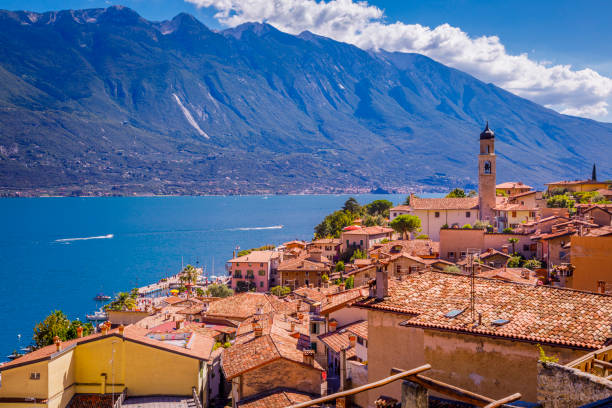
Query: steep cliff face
[[108, 101]]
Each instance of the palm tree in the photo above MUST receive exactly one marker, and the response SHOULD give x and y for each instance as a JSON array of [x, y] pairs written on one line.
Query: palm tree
[[513, 241], [189, 276], [123, 301], [405, 224]]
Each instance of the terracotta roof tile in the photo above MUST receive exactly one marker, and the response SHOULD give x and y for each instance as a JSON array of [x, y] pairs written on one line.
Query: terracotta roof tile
[[470, 203], [279, 399], [415, 247], [243, 305], [534, 312], [338, 300], [513, 184], [256, 257], [369, 231]]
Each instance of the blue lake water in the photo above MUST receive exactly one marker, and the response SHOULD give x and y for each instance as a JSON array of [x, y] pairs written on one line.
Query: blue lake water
[[131, 241]]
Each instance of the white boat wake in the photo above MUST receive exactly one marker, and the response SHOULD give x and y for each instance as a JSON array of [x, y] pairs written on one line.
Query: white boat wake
[[109, 236], [273, 227]]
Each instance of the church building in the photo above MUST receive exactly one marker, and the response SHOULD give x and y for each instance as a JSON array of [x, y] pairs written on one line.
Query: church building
[[436, 213]]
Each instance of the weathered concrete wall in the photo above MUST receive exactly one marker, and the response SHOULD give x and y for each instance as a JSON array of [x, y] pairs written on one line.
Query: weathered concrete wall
[[358, 373], [592, 258], [564, 387]]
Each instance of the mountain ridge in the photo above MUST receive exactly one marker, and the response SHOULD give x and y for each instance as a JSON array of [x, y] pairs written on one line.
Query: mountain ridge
[[103, 101]]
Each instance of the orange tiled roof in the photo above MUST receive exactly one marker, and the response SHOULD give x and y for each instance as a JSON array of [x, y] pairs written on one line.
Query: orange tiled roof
[[315, 294], [521, 275], [338, 300], [469, 203], [200, 346], [418, 247], [259, 351], [513, 184], [304, 264], [600, 232], [329, 241], [278, 399], [369, 231], [244, 305], [534, 313], [339, 339], [256, 257]]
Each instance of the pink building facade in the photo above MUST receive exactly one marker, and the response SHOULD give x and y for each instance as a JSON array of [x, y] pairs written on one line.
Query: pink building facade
[[254, 270]]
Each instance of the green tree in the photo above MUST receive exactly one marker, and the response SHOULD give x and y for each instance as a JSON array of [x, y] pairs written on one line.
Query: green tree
[[422, 236], [560, 201], [200, 292], [452, 269], [349, 283], [467, 226], [456, 193], [339, 266], [74, 325], [472, 193], [532, 264], [56, 324], [351, 205], [508, 230], [405, 224], [280, 290], [514, 262], [218, 290], [379, 207], [406, 201], [332, 224], [357, 254], [481, 225], [123, 301], [513, 241], [324, 278]]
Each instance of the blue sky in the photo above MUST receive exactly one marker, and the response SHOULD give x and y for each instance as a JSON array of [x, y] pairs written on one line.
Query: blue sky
[[526, 47]]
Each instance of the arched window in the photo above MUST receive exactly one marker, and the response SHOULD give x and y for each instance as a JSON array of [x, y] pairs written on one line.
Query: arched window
[[487, 167]]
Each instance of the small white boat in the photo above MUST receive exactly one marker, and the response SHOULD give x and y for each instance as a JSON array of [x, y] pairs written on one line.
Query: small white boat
[[98, 316]]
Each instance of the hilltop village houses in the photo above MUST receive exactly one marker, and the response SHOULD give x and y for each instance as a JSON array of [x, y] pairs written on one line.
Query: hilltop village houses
[[501, 294]]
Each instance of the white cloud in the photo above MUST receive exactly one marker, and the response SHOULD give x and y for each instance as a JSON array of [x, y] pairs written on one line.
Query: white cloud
[[577, 92]]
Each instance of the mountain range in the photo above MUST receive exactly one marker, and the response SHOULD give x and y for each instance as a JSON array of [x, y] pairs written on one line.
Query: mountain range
[[103, 101]]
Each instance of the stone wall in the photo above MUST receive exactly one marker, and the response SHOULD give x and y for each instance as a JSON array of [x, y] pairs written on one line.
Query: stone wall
[[564, 387]]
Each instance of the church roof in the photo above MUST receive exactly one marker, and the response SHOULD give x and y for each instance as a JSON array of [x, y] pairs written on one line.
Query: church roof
[[487, 133]]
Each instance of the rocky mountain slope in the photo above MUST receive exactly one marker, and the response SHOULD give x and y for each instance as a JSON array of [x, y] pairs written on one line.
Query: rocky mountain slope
[[104, 101]]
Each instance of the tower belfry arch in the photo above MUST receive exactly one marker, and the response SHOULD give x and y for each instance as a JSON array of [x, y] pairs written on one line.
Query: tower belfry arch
[[487, 175]]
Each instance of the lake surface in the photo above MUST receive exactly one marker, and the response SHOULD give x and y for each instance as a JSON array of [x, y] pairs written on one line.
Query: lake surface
[[58, 253]]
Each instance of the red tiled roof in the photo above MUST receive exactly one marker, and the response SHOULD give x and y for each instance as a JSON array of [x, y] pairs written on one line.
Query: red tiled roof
[[200, 346], [341, 299], [513, 184], [374, 230], [418, 247], [315, 294], [534, 313], [600, 232], [469, 203], [243, 305], [521, 275], [339, 339], [279, 399], [303, 263], [578, 182]]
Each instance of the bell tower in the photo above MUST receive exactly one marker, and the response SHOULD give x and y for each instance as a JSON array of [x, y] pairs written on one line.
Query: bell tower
[[486, 175]]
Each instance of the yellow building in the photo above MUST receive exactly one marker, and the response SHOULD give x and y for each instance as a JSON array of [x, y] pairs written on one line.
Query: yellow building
[[108, 363], [580, 185], [591, 257]]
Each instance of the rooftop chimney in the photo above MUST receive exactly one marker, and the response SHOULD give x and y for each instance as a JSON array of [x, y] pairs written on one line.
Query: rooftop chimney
[[121, 329], [333, 325], [179, 324], [308, 356], [257, 330], [259, 309], [292, 326], [58, 343], [104, 328], [79, 332], [505, 249], [382, 284], [352, 340], [342, 286]]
